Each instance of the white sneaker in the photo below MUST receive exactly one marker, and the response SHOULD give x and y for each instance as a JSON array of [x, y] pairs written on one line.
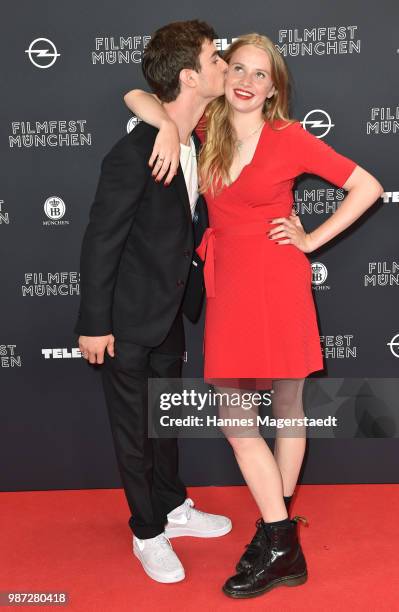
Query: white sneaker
[[185, 520], [158, 558]]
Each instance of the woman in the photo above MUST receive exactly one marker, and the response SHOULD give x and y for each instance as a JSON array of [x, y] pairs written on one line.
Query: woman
[[260, 315]]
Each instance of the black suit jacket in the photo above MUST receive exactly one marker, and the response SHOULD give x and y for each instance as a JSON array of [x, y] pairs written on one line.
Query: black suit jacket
[[138, 264]]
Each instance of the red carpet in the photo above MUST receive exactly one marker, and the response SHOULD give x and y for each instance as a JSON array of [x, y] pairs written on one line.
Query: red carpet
[[79, 541]]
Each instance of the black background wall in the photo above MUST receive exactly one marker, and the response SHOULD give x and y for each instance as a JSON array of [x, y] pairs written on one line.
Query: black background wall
[[62, 109]]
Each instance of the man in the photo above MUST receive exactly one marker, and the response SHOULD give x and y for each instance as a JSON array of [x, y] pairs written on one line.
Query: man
[[137, 276]]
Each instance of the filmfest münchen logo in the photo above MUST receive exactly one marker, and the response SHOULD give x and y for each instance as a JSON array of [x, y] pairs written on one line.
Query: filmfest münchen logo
[[55, 208], [48, 283], [327, 40], [9, 357], [318, 201], [58, 133], [382, 274], [119, 49], [383, 120], [318, 122], [340, 346], [42, 52]]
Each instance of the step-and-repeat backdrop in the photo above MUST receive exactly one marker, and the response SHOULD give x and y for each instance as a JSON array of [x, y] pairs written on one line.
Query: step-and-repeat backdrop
[[65, 69]]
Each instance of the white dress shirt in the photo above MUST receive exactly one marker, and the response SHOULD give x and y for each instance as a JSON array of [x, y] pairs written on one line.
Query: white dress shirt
[[188, 162]]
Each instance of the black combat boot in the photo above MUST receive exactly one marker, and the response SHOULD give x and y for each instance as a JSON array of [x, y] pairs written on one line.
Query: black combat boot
[[281, 562], [254, 548]]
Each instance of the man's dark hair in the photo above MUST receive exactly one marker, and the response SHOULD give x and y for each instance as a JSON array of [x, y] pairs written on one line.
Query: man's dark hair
[[171, 49]]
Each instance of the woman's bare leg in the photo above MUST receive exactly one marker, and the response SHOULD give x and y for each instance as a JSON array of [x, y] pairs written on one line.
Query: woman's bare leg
[[290, 443], [262, 475], [257, 464]]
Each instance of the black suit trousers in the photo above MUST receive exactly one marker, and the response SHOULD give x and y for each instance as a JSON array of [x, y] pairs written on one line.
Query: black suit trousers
[[148, 466]]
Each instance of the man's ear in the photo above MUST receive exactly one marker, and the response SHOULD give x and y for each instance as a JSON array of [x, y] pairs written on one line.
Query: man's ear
[[188, 77]]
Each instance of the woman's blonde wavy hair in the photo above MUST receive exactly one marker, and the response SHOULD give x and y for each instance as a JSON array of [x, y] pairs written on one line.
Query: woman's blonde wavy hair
[[217, 153]]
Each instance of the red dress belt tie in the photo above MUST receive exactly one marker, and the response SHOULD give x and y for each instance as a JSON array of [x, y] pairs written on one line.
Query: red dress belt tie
[[206, 249]]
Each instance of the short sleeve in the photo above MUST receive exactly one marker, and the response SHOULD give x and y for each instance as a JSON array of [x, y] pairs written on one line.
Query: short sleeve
[[317, 157]]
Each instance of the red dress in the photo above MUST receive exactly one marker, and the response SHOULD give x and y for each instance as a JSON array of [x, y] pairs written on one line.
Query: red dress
[[260, 313]]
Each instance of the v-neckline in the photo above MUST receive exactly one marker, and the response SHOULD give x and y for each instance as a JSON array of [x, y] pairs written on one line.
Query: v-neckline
[[252, 159]]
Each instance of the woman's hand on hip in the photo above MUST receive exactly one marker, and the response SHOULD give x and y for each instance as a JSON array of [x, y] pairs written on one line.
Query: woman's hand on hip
[[289, 230]]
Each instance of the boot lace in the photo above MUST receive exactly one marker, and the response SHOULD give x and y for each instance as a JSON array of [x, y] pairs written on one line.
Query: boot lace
[[253, 546], [268, 553]]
